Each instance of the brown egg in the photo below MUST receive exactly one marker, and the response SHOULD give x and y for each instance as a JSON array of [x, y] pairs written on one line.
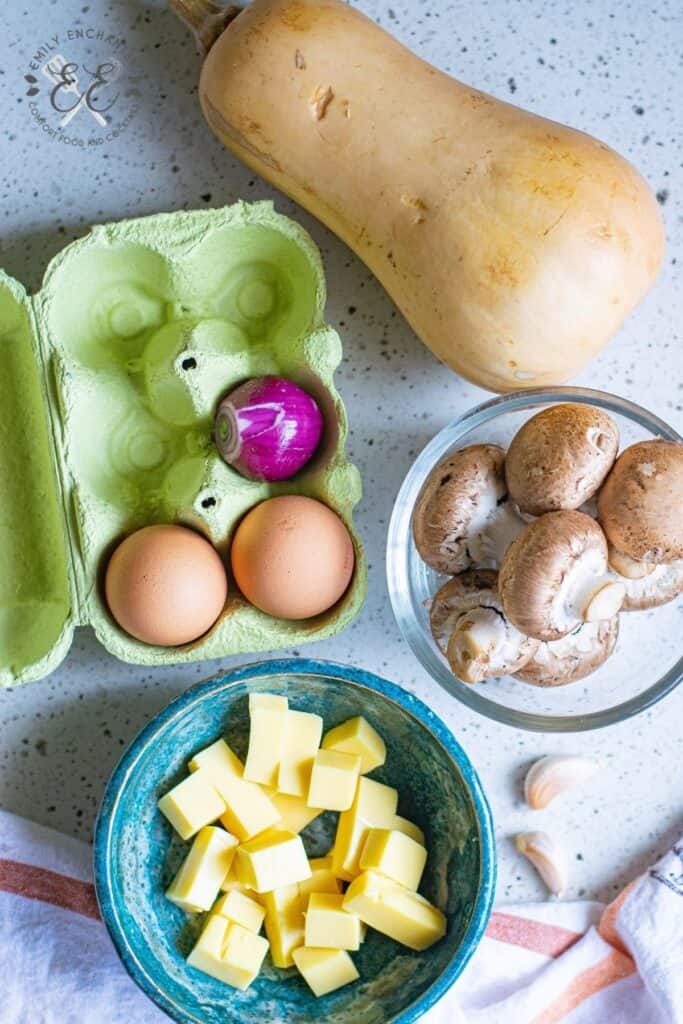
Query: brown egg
[[165, 585], [292, 557]]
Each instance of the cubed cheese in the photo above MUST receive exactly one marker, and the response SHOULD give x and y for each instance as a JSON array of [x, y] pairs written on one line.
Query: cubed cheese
[[295, 814], [328, 925], [409, 828], [191, 805], [394, 855], [247, 808], [272, 860], [228, 952], [198, 881], [216, 759], [373, 807], [325, 970], [300, 743], [334, 779], [244, 952], [323, 878], [267, 722], [357, 736], [284, 923], [395, 911], [242, 909]]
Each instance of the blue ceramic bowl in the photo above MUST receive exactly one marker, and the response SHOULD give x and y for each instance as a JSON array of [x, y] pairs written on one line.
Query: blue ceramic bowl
[[136, 853]]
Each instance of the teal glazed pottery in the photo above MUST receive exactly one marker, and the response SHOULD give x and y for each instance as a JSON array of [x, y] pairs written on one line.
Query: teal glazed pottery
[[136, 853]]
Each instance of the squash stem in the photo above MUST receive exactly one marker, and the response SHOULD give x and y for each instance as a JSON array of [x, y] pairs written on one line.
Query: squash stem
[[205, 18]]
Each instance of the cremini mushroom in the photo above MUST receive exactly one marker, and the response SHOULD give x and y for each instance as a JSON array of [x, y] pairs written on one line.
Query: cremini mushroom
[[555, 575], [572, 656], [469, 626], [639, 505], [463, 515], [662, 584], [559, 458]]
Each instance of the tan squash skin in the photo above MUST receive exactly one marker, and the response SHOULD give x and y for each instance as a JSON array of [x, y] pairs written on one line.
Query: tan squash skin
[[513, 245]]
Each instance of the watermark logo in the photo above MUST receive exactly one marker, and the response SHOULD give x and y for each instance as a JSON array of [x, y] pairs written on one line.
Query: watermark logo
[[79, 88]]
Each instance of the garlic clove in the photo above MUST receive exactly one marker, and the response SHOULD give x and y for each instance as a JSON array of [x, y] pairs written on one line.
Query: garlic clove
[[605, 602], [547, 857], [550, 776]]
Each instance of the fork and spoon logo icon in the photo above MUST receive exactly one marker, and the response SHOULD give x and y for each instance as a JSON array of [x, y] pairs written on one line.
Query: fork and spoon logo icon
[[71, 94]]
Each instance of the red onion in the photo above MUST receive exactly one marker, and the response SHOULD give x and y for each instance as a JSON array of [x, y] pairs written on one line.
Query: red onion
[[268, 428]]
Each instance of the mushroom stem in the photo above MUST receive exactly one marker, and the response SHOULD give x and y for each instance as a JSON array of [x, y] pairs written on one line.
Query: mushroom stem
[[626, 566], [587, 593], [604, 602], [477, 636]]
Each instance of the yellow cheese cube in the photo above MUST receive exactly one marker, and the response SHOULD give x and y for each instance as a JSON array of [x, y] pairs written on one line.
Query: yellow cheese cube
[[295, 814], [231, 880], [247, 809], [216, 759], [334, 780], [325, 970], [356, 736], [323, 878], [300, 743], [244, 952], [196, 885], [395, 911], [267, 723], [394, 855], [408, 828], [373, 807], [328, 925], [191, 805], [284, 923], [240, 908], [228, 952], [272, 860]]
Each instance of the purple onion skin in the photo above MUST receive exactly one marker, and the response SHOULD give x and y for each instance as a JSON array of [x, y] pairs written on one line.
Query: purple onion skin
[[268, 428]]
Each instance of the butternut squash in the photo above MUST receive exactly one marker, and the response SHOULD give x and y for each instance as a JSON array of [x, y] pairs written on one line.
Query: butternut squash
[[514, 246]]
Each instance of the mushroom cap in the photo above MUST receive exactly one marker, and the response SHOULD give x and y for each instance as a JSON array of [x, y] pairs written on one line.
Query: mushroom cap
[[639, 506], [474, 590], [539, 570], [559, 458], [662, 585], [459, 495], [573, 656]]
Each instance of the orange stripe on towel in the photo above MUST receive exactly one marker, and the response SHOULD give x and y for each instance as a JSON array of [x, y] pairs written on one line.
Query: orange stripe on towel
[[608, 921], [549, 939], [611, 968], [49, 887]]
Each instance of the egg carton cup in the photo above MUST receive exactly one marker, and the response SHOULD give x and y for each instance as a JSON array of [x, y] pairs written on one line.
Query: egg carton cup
[[111, 377]]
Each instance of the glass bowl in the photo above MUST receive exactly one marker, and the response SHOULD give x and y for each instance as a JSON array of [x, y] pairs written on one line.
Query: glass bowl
[[647, 662]]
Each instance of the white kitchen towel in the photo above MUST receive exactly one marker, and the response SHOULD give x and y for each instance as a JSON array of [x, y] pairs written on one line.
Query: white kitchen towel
[[538, 963]]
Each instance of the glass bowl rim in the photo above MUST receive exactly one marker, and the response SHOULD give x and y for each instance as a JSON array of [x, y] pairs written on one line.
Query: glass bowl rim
[[362, 679], [400, 530]]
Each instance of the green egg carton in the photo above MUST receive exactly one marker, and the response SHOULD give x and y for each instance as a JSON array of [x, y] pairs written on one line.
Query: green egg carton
[[111, 377]]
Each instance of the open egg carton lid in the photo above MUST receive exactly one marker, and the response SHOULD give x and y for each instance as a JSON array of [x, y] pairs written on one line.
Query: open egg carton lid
[[111, 377]]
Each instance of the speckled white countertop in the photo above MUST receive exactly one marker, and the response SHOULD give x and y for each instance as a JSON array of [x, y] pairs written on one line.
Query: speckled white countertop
[[610, 68]]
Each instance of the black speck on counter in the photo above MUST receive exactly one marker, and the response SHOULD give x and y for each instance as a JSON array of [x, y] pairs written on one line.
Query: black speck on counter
[[662, 196], [512, 85], [639, 111]]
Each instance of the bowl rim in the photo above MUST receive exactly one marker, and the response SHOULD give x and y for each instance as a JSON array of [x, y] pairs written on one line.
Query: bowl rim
[[103, 831], [400, 531]]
